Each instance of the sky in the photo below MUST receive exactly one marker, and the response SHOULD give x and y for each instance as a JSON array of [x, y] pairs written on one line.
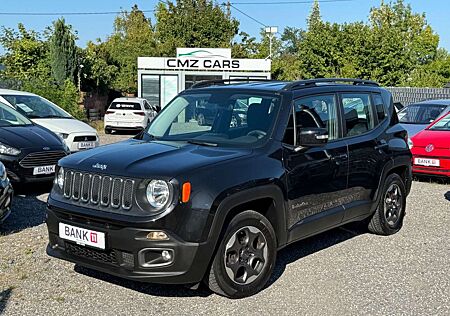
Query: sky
[[91, 27]]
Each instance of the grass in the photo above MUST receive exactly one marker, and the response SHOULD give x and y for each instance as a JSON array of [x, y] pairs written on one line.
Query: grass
[[98, 125]]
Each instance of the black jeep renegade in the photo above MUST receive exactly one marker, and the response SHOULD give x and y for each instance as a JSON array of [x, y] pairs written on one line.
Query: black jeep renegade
[[185, 202]]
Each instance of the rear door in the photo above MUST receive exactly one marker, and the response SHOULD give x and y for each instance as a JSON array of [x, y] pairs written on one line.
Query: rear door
[[364, 133]]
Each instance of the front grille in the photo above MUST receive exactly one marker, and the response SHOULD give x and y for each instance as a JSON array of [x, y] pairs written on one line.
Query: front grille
[[42, 158], [91, 138], [98, 190], [92, 254]]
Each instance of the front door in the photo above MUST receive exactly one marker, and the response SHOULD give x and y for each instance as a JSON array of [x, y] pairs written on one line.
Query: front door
[[316, 177]]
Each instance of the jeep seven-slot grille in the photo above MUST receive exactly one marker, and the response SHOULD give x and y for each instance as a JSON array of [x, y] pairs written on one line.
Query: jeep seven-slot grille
[[98, 190], [42, 158]]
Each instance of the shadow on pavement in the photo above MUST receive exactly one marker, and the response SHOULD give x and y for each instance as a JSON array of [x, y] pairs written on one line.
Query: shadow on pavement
[[166, 290], [4, 298], [28, 207], [447, 195], [286, 256]]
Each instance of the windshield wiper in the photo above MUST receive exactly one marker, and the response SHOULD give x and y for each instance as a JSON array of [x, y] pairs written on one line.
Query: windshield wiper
[[201, 143]]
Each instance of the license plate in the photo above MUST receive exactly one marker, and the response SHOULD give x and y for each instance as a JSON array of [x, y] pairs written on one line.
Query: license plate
[[44, 170], [427, 162], [86, 145], [82, 236]]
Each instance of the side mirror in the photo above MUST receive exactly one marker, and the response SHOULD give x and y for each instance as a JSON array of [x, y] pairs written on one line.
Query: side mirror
[[312, 137]]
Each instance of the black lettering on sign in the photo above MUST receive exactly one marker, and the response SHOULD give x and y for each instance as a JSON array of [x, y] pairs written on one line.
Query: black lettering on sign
[[207, 63], [217, 64], [235, 64], [171, 62], [183, 63], [226, 64], [194, 63]]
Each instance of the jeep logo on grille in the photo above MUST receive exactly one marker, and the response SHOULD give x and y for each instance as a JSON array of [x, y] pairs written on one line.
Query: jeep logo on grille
[[99, 166]]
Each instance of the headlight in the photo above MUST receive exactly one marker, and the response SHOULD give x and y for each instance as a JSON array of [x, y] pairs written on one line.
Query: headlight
[[60, 178], [410, 143], [158, 193], [63, 136], [3, 173], [8, 150]]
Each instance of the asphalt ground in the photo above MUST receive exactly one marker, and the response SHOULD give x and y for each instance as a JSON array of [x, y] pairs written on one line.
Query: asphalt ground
[[346, 271]]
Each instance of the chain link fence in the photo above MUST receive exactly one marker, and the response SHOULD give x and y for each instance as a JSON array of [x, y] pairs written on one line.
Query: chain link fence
[[407, 96]]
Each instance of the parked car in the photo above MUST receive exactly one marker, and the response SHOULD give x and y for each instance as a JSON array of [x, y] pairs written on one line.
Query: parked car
[[129, 114], [182, 203], [416, 117], [76, 134], [29, 151], [6, 194], [431, 148]]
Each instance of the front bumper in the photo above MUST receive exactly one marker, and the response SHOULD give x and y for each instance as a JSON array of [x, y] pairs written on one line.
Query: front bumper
[[443, 170], [128, 253], [77, 141]]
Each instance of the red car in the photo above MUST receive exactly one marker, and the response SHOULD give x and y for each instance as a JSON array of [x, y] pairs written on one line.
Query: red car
[[431, 148]]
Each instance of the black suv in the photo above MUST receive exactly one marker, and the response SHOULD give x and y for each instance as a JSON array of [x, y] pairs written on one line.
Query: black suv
[[185, 203]]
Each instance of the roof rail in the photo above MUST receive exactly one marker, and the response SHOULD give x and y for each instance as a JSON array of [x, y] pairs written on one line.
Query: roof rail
[[300, 84], [219, 82]]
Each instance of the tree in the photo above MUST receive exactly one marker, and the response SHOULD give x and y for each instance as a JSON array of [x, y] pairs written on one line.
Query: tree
[[193, 23], [63, 52], [26, 54], [133, 36]]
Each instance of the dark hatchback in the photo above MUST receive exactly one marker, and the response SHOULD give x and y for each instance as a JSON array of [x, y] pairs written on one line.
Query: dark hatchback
[[183, 202], [28, 151]]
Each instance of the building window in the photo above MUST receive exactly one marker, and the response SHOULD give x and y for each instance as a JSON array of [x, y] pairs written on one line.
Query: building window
[[159, 89]]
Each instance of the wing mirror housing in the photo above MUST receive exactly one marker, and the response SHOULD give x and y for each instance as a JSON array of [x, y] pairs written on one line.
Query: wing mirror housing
[[311, 137]]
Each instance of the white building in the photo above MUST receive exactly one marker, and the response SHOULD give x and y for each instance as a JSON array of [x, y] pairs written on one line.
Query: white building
[[161, 78]]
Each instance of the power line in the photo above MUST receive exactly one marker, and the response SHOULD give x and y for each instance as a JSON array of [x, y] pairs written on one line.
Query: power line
[[67, 13], [250, 17], [288, 2]]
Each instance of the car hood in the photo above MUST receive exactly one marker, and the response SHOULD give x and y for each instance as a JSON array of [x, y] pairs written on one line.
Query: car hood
[[141, 159], [439, 139], [413, 129], [29, 137], [66, 126]]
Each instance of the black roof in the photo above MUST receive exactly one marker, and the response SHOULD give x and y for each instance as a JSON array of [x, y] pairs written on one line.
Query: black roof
[[274, 85]]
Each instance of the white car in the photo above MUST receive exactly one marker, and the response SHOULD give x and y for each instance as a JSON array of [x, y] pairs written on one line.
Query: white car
[[129, 114], [76, 134]]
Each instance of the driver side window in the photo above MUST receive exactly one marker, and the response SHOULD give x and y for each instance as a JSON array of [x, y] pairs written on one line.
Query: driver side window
[[313, 111]]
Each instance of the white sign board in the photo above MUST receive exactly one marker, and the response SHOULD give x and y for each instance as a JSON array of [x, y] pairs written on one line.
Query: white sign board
[[168, 63], [213, 53]]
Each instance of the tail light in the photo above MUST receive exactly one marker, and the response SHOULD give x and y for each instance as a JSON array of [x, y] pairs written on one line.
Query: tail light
[[139, 113], [110, 112]]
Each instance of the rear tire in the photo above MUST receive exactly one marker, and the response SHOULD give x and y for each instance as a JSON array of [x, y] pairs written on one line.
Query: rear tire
[[107, 131], [245, 258], [388, 217]]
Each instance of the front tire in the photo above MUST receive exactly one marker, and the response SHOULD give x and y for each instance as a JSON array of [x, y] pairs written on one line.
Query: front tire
[[245, 258], [388, 218]]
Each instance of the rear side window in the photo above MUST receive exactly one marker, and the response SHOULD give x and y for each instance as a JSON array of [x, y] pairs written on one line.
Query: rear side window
[[125, 106], [147, 106], [420, 113], [379, 107], [357, 113]]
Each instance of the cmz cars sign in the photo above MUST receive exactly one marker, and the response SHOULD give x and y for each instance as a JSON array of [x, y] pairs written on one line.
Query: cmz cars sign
[[203, 63]]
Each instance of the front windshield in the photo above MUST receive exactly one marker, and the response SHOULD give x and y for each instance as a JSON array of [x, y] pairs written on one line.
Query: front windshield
[[33, 106], [219, 118], [10, 117], [420, 113], [442, 125]]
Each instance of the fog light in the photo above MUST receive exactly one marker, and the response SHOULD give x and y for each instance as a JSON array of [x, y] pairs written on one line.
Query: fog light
[[166, 255], [157, 235]]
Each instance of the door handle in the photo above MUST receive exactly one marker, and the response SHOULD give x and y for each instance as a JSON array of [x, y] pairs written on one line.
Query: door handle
[[381, 145], [339, 157]]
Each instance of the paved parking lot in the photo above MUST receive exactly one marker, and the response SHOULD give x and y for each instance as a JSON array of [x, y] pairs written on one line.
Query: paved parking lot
[[343, 272]]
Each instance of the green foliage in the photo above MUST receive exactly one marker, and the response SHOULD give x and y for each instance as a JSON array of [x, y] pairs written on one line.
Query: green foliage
[[133, 37], [193, 23], [62, 52], [26, 54]]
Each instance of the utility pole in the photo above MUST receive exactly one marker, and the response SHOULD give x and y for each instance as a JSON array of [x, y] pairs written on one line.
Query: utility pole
[[271, 31], [228, 8]]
